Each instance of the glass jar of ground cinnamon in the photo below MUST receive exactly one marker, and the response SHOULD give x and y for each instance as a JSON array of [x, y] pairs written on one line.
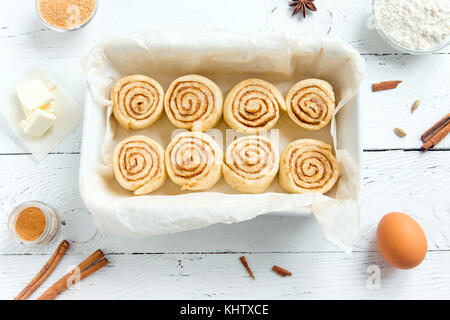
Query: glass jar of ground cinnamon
[[33, 223]]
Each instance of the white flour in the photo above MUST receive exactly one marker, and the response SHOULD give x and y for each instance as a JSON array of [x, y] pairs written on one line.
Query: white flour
[[415, 24]]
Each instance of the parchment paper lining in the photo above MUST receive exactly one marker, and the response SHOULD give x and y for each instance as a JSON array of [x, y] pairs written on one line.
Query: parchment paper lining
[[226, 59]]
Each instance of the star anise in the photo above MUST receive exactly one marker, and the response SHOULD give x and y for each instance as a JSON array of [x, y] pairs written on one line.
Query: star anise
[[302, 5]]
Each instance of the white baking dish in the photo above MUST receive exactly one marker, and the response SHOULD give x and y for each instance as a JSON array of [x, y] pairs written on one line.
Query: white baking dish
[[226, 59]]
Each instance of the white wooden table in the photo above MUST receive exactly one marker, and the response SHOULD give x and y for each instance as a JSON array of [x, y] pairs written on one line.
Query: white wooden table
[[204, 264]]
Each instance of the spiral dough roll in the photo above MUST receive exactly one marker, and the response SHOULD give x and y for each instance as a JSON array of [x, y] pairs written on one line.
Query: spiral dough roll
[[137, 101], [251, 164], [308, 166], [194, 161], [138, 164], [253, 106], [310, 103], [193, 102]]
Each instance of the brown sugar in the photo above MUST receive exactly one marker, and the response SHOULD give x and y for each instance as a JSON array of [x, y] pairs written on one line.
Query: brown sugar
[[30, 223], [66, 14]]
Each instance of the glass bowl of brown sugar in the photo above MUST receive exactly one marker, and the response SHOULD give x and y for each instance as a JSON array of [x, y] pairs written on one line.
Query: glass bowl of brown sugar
[[33, 223], [66, 15]]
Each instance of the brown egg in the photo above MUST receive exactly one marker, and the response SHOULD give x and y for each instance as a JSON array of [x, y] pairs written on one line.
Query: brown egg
[[401, 240]]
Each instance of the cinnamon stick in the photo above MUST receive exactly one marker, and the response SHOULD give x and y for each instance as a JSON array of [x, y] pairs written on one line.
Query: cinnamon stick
[[282, 272], [432, 131], [385, 85], [436, 138], [93, 263], [244, 262], [45, 272]]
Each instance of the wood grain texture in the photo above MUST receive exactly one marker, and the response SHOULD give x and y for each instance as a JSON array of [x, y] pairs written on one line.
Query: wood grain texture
[[349, 20], [386, 110], [204, 263], [222, 276], [26, 43], [391, 181]]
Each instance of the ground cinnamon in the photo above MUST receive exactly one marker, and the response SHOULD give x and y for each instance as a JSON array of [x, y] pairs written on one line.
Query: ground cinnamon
[[30, 223]]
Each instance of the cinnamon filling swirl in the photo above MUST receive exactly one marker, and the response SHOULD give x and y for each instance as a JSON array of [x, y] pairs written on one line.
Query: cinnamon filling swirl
[[308, 166], [251, 164], [137, 101], [194, 102], [193, 161], [311, 103], [138, 164], [253, 106]]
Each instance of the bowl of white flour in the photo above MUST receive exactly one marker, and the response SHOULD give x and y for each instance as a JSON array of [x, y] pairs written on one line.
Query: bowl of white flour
[[413, 26]]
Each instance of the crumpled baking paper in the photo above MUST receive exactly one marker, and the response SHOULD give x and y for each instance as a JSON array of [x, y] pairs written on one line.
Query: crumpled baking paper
[[225, 58]]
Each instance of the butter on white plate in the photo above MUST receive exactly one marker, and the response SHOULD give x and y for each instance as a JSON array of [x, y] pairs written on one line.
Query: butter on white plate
[[37, 104], [33, 94], [38, 122], [28, 121]]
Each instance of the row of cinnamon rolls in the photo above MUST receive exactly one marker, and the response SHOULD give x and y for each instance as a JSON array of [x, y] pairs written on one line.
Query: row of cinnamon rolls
[[195, 161], [196, 103]]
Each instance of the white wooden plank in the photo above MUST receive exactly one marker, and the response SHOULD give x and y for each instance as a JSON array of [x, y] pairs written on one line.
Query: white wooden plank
[[392, 181], [25, 44], [425, 78], [406, 181], [382, 111], [347, 20], [411, 182], [221, 276]]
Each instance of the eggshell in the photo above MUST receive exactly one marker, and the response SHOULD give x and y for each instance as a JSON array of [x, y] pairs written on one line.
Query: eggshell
[[401, 240]]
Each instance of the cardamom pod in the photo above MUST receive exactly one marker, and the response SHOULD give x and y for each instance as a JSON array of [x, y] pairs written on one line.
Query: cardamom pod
[[415, 105], [400, 132]]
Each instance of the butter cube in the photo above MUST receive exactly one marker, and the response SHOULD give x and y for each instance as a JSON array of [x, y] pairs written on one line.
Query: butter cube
[[38, 122], [33, 94], [49, 107]]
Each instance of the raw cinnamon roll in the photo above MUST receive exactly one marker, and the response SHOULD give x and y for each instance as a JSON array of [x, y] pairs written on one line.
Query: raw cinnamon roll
[[310, 103], [193, 102], [194, 160], [138, 164], [137, 101], [253, 106], [308, 165], [251, 164]]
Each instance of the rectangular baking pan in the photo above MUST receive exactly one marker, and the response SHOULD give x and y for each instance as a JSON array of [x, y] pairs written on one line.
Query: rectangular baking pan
[[94, 127]]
